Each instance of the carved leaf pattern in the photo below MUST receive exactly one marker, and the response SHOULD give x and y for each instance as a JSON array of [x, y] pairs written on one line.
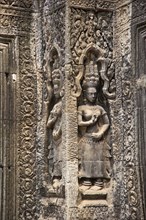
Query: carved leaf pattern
[[86, 29], [130, 158]]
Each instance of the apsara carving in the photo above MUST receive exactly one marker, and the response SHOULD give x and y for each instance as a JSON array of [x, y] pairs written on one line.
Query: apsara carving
[[93, 122], [54, 121]]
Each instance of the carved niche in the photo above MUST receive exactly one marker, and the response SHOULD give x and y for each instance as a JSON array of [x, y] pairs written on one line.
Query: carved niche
[[54, 121], [92, 29], [93, 122], [94, 84]]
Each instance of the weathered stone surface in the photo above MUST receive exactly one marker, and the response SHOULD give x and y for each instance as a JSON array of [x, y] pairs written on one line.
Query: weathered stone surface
[[72, 120]]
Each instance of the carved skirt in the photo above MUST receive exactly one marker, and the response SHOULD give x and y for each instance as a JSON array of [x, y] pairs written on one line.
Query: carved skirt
[[55, 158], [94, 158]]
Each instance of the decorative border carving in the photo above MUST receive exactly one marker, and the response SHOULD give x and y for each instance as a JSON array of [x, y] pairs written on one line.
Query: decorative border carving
[[93, 4], [130, 154], [27, 149], [90, 213]]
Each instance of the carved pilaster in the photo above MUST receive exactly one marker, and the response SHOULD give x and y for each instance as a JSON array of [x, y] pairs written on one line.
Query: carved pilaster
[[16, 24], [78, 40]]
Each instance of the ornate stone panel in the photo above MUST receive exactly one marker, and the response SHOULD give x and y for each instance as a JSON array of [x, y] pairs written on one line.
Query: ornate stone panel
[[80, 106], [128, 148], [92, 63], [18, 25], [27, 157]]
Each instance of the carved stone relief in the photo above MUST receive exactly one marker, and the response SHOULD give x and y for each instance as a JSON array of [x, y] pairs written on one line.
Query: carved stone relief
[[93, 122], [52, 204], [27, 158], [77, 153], [17, 23], [54, 121], [92, 81], [90, 31]]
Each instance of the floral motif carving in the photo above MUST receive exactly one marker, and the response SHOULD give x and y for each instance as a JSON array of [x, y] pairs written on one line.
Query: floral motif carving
[[88, 27], [92, 32], [130, 160], [27, 161]]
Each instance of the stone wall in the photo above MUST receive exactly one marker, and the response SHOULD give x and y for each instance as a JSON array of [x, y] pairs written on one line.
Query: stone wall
[[75, 31], [76, 109]]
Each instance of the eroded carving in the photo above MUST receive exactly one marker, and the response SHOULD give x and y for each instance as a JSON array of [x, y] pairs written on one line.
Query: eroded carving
[[54, 122]]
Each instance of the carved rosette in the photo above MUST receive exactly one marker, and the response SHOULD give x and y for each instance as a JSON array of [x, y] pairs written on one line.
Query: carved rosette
[[27, 150]]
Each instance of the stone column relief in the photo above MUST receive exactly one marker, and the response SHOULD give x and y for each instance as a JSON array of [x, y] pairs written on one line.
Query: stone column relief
[[91, 41], [80, 84], [72, 109], [54, 121]]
